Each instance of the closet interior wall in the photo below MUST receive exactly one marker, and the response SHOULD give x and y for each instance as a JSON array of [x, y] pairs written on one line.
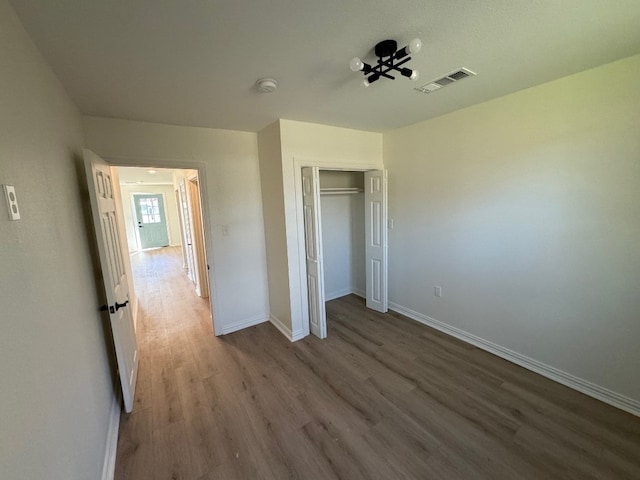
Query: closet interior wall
[[343, 235]]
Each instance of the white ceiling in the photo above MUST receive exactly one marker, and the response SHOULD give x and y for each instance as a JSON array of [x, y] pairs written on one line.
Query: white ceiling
[[195, 62], [136, 175]]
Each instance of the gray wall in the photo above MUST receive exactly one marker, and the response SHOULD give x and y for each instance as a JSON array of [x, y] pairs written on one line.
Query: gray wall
[[57, 389], [526, 210]]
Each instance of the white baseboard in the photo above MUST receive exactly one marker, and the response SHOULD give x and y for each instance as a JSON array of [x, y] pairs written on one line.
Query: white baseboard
[[286, 331], [244, 323], [360, 293], [596, 391], [343, 292], [338, 294], [109, 466]]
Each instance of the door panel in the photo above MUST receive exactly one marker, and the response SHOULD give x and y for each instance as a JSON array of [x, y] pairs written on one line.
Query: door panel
[[312, 228], [116, 282], [152, 220], [375, 199], [188, 234], [197, 235]]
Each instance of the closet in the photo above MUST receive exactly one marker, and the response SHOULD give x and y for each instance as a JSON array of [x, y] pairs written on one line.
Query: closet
[[343, 235], [344, 227]]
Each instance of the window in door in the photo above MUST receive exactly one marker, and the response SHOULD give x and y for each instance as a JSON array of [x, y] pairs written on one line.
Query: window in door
[[150, 210]]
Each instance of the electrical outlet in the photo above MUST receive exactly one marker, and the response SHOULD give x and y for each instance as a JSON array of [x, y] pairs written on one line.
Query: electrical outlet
[[437, 291], [12, 202]]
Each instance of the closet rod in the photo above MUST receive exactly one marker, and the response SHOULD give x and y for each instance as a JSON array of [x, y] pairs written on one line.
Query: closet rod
[[341, 191]]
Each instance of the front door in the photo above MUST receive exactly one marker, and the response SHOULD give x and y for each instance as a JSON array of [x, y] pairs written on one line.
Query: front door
[[116, 283], [152, 221]]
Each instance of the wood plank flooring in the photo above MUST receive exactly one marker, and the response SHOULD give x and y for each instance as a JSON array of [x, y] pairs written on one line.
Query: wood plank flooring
[[381, 398]]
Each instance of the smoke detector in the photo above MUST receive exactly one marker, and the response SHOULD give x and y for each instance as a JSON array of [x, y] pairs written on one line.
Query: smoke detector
[[266, 85]]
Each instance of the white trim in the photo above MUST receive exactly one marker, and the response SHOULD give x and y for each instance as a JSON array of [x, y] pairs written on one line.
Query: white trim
[[109, 466], [134, 310], [338, 294], [244, 323], [286, 331], [344, 292], [584, 386]]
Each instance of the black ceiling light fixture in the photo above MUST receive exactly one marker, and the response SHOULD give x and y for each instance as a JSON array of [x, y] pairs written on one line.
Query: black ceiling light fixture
[[389, 59]]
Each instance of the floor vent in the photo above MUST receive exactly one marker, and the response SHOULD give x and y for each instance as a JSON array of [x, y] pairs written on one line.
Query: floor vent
[[448, 79]]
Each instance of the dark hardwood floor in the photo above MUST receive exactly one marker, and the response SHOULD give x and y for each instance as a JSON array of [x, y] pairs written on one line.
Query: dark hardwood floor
[[381, 398]]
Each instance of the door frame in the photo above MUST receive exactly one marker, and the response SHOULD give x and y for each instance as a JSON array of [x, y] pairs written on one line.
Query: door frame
[[192, 185], [201, 168], [298, 164], [135, 216]]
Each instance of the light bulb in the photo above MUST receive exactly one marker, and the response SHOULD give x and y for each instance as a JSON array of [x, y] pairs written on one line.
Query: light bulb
[[414, 75], [415, 45], [365, 83], [356, 64]]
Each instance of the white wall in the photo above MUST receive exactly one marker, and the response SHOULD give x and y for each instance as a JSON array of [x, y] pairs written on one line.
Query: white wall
[[274, 223], [232, 179], [321, 145], [343, 244], [526, 210], [342, 220], [171, 209], [57, 389], [358, 244]]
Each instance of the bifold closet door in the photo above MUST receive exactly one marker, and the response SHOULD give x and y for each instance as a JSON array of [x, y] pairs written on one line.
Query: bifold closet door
[[375, 205], [313, 246]]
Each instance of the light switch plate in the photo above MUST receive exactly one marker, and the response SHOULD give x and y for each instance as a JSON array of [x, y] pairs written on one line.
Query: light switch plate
[[12, 202]]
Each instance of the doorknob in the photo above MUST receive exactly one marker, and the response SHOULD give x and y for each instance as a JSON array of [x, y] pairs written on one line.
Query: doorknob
[[140, 225], [105, 308], [121, 305]]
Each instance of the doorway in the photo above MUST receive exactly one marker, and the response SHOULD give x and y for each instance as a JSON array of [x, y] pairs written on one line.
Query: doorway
[[162, 208], [106, 183], [346, 211]]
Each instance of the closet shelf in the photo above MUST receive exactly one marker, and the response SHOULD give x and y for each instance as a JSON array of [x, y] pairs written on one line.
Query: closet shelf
[[341, 191]]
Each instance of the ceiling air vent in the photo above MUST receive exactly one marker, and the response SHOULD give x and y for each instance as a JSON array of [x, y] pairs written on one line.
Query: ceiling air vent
[[446, 80]]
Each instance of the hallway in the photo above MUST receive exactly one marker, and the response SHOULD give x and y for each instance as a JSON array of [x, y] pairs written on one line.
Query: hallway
[[174, 327]]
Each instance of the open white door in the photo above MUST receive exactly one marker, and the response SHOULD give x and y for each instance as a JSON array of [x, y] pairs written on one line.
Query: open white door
[[188, 233], [375, 200], [116, 284], [313, 244]]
